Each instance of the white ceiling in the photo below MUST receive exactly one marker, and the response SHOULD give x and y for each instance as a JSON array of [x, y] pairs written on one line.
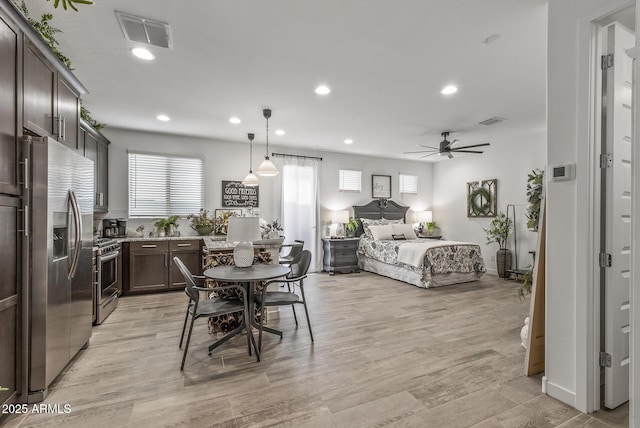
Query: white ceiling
[[385, 62]]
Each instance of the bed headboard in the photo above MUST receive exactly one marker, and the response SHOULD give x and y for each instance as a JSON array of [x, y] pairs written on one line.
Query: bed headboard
[[377, 209]]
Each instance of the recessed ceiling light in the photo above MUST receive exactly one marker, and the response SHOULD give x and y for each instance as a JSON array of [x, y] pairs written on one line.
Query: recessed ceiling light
[[348, 141], [163, 117], [235, 120], [448, 90], [322, 90], [280, 132], [142, 53]]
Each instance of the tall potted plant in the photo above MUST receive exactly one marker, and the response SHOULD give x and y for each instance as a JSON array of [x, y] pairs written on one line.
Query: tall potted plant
[[498, 231]]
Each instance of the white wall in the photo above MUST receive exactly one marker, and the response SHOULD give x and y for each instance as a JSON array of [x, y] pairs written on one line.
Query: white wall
[[568, 347], [508, 161], [230, 161]]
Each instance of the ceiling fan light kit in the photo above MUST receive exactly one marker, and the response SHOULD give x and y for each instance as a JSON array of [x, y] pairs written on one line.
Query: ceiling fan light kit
[[445, 148]]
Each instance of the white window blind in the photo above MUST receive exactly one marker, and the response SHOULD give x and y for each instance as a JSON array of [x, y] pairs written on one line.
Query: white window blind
[[350, 181], [408, 183], [160, 185]]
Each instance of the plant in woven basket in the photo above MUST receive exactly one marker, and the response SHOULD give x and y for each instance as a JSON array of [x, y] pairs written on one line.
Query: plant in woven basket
[[202, 222]]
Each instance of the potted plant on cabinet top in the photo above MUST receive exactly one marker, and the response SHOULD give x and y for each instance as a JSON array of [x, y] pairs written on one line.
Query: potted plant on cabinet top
[[167, 226], [498, 231], [352, 226], [202, 223]]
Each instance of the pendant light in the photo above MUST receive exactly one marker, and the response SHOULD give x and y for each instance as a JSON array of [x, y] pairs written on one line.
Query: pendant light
[[267, 168], [250, 180]]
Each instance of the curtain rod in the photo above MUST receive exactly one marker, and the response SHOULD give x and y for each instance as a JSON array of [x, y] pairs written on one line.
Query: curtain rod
[[284, 155]]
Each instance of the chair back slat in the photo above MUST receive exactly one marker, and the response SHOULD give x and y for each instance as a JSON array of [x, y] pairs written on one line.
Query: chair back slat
[[189, 281], [300, 265]]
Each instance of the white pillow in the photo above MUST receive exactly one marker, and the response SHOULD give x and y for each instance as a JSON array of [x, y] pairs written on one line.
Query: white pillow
[[381, 232], [404, 229]]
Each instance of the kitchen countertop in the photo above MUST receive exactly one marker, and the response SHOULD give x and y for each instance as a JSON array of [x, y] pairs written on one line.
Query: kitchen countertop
[[212, 244], [159, 238]]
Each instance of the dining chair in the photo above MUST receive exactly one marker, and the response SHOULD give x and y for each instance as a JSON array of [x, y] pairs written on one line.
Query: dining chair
[[216, 306], [299, 268], [295, 248]]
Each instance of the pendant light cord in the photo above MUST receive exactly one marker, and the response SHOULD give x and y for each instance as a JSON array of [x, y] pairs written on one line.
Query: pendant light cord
[[266, 156]]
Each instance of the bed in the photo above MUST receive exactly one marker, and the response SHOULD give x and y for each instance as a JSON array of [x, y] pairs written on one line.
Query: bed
[[424, 263]]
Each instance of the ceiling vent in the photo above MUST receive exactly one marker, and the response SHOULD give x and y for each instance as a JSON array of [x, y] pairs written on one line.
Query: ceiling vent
[[492, 121], [143, 30]]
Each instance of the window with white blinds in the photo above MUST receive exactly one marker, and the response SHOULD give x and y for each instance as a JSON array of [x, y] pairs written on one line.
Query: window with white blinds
[[408, 183], [161, 186], [350, 181]]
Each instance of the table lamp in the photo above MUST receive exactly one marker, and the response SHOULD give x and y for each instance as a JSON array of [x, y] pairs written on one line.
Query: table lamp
[[243, 230], [424, 217], [340, 217]]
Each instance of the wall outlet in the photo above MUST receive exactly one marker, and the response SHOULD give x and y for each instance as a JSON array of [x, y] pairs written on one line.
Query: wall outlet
[[493, 258]]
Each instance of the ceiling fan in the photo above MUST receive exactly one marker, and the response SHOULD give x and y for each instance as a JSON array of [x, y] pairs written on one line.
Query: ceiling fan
[[445, 148]]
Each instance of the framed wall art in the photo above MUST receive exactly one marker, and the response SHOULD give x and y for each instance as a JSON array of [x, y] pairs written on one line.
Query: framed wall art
[[381, 186], [236, 195], [482, 198]]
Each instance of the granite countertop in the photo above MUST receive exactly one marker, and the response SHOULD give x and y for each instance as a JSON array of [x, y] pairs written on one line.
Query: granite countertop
[[159, 238], [212, 243]]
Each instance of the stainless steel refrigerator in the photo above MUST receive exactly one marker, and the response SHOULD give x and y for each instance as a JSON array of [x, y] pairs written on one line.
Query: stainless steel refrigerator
[[58, 206]]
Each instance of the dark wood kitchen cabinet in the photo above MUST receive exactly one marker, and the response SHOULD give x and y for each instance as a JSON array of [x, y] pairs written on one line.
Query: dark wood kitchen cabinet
[[51, 105], [149, 264], [96, 148]]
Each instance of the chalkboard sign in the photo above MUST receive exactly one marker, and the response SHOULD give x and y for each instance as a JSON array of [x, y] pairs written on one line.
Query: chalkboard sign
[[235, 194]]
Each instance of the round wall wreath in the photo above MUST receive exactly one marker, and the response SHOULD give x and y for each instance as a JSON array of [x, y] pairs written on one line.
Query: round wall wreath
[[480, 201]]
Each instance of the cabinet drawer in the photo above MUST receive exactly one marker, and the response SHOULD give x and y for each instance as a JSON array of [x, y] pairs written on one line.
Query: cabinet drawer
[[149, 246], [351, 245], [341, 254], [184, 245]]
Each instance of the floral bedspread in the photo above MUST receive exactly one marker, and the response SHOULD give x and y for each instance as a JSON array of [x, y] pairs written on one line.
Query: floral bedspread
[[459, 258]]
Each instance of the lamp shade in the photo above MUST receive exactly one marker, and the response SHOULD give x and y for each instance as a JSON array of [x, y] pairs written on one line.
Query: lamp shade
[[267, 168], [424, 216], [340, 216], [251, 180], [243, 229]]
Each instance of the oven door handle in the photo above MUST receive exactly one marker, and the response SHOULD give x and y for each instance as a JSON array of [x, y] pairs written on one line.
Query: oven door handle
[[109, 256]]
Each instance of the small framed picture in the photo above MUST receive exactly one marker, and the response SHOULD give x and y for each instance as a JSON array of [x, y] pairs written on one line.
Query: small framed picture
[[381, 186]]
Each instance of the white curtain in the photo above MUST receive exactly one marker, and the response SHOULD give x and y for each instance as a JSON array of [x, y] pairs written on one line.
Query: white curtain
[[299, 208]]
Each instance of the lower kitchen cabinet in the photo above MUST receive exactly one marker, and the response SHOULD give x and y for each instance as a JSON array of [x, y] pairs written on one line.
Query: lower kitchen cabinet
[[150, 264]]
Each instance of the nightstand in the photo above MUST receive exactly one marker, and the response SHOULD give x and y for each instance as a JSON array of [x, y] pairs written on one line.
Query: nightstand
[[340, 255]]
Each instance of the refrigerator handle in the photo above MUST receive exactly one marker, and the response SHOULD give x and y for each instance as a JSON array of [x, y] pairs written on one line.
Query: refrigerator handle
[[78, 228]]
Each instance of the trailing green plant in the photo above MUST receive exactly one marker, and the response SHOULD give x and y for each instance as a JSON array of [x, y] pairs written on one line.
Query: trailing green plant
[[499, 230], [431, 226], [352, 226], [86, 115], [527, 281], [70, 3], [535, 182], [48, 33]]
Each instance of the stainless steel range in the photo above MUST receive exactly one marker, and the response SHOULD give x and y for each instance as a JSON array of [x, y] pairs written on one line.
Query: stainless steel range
[[106, 294]]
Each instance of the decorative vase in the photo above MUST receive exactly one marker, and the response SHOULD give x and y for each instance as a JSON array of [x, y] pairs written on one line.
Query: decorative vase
[[203, 229], [351, 233], [503, 261], [243, 254]]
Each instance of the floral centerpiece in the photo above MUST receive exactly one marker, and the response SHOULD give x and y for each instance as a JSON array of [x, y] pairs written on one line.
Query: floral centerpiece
[[270, 229], [222, 222], [202, 222]]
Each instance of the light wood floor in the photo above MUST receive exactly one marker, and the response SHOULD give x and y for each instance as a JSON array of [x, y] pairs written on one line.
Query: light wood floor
[[386, 354]]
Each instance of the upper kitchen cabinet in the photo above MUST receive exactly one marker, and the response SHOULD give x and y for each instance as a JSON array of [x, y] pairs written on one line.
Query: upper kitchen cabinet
[[51, 103], [96, 148], [10, 49]]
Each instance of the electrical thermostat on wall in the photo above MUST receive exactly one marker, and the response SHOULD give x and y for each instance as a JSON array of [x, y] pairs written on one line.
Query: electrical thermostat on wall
[[562, 172]]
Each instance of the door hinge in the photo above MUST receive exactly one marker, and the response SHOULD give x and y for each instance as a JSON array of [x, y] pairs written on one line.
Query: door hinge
[[605, 359], [606, 160], [605, 260], [607, 61]]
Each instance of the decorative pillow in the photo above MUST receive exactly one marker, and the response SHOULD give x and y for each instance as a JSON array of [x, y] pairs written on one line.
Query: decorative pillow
[[397, 221], [399, 238], [404, 229], [381, 232], [366, 222]]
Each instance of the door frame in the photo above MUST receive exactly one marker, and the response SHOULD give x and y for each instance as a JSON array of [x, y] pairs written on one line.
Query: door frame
[[587, 316]]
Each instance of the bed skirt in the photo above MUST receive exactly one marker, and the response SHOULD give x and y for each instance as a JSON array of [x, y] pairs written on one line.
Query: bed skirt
[[414, 278]]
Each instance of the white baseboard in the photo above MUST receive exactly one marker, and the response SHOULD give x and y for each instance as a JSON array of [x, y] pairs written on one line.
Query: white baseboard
[[558, 392]]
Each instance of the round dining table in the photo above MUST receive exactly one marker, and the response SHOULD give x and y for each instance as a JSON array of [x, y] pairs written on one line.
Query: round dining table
[[248, 276]]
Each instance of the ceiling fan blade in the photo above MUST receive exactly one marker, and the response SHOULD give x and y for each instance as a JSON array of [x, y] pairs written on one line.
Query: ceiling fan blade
[[426, 156], [450, 155], [471, 146], [419, 151], [428, 147], [465, 151], [454, 141]]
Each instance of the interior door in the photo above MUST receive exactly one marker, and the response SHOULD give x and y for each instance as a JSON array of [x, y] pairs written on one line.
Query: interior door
[[617, 133]]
